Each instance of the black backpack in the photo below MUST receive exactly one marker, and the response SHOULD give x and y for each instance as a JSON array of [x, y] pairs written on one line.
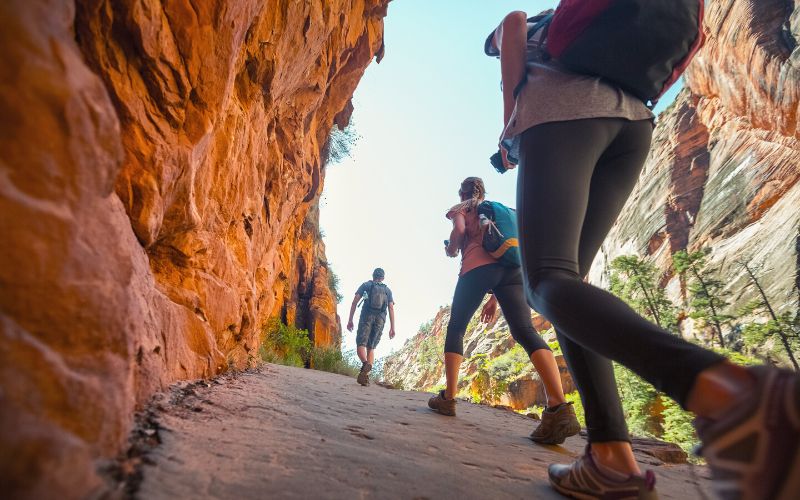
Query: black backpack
[[377, 297], [642, 46]]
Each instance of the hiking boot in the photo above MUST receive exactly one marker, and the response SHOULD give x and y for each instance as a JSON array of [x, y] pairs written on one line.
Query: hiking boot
[[441, 404], [583, 479], [557, 425], [754, 450], [363, 375]]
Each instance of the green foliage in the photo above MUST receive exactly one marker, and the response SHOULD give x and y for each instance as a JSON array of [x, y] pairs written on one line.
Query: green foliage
[[650, 413], [431, 351], [426, 328], [737, 357], [639, 402], [480, 382], [636, 282], [491, 377], [340, 144], [777, 338], [437, 388], [707, 298], [577, 405], [555, 347], [510, 365], [677, 426], [331, 359], [334, 285], [285, 345]]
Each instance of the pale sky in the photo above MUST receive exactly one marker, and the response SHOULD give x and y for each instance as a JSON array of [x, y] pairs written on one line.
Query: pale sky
[[428, 116]]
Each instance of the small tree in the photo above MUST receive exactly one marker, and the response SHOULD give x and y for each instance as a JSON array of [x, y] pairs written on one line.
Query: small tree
[[634, 281], [784, 326], [334, 284], [707, 297], [340, 144]]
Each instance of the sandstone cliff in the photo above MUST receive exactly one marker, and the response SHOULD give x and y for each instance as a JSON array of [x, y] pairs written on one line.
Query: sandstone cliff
[[724, 168], [160, 167]]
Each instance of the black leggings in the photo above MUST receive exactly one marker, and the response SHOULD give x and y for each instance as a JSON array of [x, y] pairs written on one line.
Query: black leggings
[[506, 283], [575, 177]]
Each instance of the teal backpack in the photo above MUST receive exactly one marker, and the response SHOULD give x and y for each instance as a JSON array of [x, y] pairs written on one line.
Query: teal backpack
[[499, 224]]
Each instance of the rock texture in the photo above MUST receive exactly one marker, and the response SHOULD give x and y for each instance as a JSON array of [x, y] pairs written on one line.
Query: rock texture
[[724, 169], [260, 436], [160, 164]]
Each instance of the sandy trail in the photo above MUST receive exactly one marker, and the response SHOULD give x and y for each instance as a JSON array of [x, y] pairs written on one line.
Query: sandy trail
[[281, 432]]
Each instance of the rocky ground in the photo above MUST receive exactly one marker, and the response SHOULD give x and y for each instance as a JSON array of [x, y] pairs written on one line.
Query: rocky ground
[[281, 432]]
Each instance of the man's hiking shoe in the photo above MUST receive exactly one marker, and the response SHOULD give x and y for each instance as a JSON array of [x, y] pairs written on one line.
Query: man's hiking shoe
[[754, 450], [363, 375], [442, 405], [583, 479], [557, 425]]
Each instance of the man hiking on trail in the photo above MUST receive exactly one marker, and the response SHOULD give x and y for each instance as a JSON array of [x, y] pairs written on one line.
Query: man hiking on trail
[[377, 300]]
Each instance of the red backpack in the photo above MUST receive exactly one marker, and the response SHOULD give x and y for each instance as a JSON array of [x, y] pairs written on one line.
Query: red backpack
[[643, 46]]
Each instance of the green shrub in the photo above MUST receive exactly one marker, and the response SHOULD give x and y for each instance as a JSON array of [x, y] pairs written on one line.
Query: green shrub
[[577, 405], [678, 427], [638, 401], [510, 365], [491, 377], [331, 359], [334, 285], [285, 345], [431, 353], [555, 347]]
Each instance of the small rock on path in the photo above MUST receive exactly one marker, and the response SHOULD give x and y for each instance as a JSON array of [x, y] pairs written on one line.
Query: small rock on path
[[283, 432]]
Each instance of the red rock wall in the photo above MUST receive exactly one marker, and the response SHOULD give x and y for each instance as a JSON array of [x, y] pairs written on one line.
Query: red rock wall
[[160, 165], [725, 164]]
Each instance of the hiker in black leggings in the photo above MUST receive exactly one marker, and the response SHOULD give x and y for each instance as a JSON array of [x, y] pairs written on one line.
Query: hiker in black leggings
[[481, 274], [580, 144]]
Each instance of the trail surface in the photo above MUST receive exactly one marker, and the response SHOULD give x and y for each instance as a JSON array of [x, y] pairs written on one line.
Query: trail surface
[[281, 432]]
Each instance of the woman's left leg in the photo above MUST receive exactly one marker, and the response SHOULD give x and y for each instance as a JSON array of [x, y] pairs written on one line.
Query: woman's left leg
[[471, 288]]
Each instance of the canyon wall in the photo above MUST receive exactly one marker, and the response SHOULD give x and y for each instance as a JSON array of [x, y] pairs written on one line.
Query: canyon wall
[[724, 168], [160, 166]]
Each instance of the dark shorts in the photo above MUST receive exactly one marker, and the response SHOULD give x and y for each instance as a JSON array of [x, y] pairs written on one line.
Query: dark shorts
[[370, 328]]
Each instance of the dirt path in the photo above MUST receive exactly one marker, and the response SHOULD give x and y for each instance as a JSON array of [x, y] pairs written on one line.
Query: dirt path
[[281, 432]]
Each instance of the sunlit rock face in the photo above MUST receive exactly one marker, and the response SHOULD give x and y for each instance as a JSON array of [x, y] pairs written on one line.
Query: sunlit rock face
[[160, 167], [723, 172]]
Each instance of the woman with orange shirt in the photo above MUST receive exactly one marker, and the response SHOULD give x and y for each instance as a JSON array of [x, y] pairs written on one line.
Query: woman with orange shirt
[[481, 274]]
